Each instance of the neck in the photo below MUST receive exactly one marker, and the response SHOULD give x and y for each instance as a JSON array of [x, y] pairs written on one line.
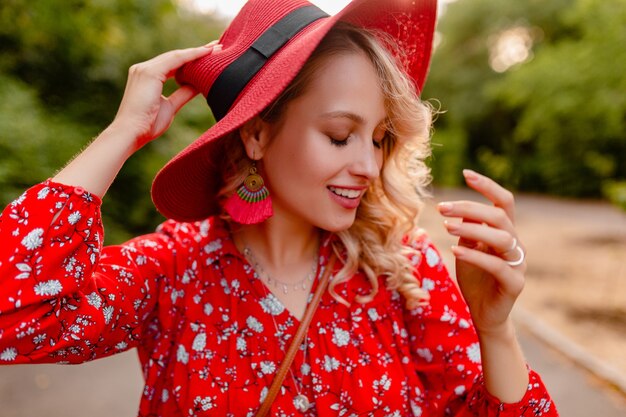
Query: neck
[[279, 243]]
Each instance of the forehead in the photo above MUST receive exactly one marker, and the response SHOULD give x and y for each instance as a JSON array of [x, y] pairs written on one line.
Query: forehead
[[346, 82]]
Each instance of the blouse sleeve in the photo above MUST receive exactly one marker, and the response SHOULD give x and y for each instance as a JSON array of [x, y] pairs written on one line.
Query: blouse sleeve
[[445, 351], [64, 297]]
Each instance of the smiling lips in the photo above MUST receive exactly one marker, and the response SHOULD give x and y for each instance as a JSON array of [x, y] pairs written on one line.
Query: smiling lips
[[345, 192], [348, 198]]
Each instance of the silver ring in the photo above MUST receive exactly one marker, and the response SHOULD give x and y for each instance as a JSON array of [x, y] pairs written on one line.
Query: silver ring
[[519, 261]]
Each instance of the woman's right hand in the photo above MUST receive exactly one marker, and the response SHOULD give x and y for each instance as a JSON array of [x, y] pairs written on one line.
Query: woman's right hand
[[144, 112], [144, 115]]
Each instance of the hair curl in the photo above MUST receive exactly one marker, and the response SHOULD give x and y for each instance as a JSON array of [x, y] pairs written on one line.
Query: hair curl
[[386, 219]]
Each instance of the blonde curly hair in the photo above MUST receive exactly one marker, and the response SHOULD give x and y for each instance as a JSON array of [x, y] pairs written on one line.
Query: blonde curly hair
[[378, 242]]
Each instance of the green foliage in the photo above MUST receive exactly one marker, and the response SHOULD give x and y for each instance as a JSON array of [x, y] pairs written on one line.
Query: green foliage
[[555, 123], [63, 68], [615, 191]]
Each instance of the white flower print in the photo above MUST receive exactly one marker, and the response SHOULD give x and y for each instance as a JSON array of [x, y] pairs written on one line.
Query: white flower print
[[263, 394], [182, 355], [33, 239], [428, 284], [416, 409], [383, 383], [74, 217], [208, 309], [8, 354], [241, 344], [199, 342], [425, 354], [46, 288], [176, 294], [108, 314], [340, 337], [18, 200], [205, 403], [213, 246], [432, 258], [473, 352], [464, 324], [95, 300], [272, 305], [305, 369], [121, 345], [373, 314], [39, 338], [25, 270], [254, 324], [165, 395], [43, 193], [330, 363], [224, 285], [448, 315], [204, 228], [459, 390], [268, 367]]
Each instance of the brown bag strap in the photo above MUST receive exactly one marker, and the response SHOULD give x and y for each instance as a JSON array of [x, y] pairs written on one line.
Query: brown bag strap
[[297, 341]]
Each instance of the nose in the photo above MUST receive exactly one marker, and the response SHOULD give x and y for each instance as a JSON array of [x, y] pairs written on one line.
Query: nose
[[366, 162]]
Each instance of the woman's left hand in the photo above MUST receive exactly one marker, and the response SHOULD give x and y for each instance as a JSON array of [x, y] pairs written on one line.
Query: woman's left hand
[[488, 248]]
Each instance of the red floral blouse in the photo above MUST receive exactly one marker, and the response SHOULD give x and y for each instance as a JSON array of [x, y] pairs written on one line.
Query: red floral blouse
[[211, 336]]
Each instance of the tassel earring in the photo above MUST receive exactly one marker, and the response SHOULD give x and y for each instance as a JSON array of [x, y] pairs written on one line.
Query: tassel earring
[[251, 202]]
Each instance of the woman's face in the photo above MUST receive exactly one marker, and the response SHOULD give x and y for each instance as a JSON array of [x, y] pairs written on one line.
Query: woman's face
[[327, 150]]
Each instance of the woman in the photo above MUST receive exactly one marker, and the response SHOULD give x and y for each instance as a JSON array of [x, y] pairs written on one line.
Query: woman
[[315, 167]]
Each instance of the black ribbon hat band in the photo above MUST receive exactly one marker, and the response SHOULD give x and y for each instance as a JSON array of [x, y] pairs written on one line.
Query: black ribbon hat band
[[236, 76]]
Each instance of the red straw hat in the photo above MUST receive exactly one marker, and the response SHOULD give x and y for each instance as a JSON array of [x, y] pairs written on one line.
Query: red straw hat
[[264, 48]]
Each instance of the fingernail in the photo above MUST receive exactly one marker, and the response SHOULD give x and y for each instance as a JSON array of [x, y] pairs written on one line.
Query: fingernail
[[470, 175], [445, 207], [453, 228], [218, 47], [457, 250]]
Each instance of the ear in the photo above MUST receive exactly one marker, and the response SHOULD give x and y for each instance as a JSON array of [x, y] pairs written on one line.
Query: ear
[[255, 135]]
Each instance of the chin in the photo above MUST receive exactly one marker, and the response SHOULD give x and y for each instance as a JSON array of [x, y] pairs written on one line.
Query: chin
[[339, 225]]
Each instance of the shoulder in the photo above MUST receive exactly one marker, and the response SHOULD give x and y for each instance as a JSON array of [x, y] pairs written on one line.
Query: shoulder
[[192, 233], [207, 240], [422, 251]]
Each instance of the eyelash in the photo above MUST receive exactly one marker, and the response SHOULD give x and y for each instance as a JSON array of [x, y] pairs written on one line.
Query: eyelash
[[339, 142], [344, 142]]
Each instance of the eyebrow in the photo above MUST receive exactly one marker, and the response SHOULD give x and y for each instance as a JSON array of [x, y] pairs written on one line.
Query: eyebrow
[[348, 115]]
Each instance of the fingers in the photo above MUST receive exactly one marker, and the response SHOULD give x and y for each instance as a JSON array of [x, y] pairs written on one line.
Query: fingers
[[498, 195], [511, 280], [500, 241], [181, 97], [485, 228], [166, 64], [478, 213]]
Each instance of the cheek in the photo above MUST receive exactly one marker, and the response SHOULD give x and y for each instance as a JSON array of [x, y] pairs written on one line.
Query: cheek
[[290, 167], [304, 158], [380, 160]]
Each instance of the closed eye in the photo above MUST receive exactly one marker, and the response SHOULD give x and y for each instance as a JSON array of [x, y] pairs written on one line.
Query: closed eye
[[339, 142], [379, 143]]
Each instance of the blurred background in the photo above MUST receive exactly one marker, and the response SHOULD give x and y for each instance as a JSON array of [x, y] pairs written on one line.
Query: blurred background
[[531, 93]]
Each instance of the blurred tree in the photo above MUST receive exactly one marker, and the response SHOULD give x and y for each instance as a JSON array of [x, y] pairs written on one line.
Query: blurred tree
[[534, 91], [63, 67]]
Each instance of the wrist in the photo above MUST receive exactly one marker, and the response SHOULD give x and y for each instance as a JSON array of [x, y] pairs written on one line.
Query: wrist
[[121, 137], [504, 332]]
